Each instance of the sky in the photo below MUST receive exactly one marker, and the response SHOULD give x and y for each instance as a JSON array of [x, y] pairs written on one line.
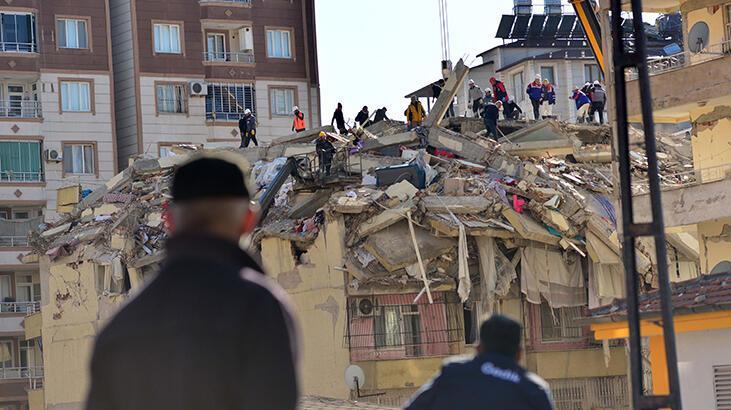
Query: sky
[[375, 52]]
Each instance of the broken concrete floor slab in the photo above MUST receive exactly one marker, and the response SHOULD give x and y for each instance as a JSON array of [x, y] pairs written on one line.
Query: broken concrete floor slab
[[455, 204], [390, 248]]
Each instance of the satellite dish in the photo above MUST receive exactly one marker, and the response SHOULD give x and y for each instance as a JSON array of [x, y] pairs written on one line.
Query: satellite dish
[[353, 373], [698, 37], [721, 267]]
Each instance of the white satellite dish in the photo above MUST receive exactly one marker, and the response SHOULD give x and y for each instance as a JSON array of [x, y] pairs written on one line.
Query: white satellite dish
[[354, 377]]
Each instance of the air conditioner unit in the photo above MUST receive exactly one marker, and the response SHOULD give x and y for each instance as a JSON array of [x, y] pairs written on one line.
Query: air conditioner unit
[[52, 155], [365, 308], [198, 88]]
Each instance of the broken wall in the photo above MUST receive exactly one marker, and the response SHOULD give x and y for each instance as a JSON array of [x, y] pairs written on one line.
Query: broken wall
[[317, 292], [715, 243], [711, 139]]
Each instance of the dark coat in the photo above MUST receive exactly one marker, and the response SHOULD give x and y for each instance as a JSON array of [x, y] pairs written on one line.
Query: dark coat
[[247, 123], [380, 115], [209, 332], [362, 117], [486, 382], [491, 112], [339, 119]]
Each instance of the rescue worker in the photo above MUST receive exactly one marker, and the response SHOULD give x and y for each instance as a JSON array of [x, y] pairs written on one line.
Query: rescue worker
[[156, 352], [492, 379], [535, 94], [490, 116], [548, 99], [247, 128], [380, 115], [298, 124], [499, 93], [362, 117], [339, 120], [583, 103], [598, 98], [475, 97], [511, 110], [325, 152], [414, 113]]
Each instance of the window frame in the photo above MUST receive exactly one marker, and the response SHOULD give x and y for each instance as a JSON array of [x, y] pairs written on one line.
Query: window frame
[[184, 104], [209, 53], [274, 88], [12, 348], [213, 98], [518, 93], [95, 158], [292, 48], [553, 73], [92, 101], [87, 28], [35, 38], [41, 171], [593, 68], [536, 333], [181, 37]]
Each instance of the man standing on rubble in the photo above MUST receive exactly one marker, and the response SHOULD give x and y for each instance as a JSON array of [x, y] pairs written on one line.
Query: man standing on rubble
[[475, 95], [339, 120], [380, 115], [156, 352], [535, 93], [414, 113], [499, 93], [549, 99], [598, 98], [362, 117], [325, 151], [583, 103], [298, 125], [490, 116], [492, 379], [247, 128]]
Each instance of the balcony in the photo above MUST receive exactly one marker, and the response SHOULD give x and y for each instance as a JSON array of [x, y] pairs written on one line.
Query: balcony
[[27, 308], [20, 109], [13, 241], [20, 373], [16, 176], [683, 82], [229, 57]]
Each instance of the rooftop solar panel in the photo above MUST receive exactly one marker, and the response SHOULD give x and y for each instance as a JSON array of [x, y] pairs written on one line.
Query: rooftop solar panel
[[536, 25], [549, 31], [520, 29], [578, 32], [566, 26], [506, 24]]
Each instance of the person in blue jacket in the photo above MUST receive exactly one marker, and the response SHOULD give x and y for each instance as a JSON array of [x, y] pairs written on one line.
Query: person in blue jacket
[[493, 379], [583, 103], [535, 93], [548, 100]]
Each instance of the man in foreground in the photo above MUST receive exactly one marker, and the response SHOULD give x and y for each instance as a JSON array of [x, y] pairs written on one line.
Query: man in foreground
[[492, 379], [210, 331]]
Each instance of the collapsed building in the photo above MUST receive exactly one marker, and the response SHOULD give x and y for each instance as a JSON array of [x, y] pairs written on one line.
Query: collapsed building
[[392, 258]]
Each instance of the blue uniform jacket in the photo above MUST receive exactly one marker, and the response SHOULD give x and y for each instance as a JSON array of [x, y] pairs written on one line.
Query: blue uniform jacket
[[489, 381], [580, 99], [535, 91]]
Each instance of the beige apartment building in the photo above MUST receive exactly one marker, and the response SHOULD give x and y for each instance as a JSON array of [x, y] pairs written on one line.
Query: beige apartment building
[[56, 116], [185, 70]]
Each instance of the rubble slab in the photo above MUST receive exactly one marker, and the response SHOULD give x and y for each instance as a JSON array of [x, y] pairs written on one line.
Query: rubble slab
[[389, 246], [303, 136], [405, 138], [451, 87], [528, 228], [385, 219], [457, 143], [455, 204]]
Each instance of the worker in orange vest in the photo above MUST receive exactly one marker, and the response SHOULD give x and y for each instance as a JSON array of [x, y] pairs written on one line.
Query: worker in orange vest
[[299, 120]]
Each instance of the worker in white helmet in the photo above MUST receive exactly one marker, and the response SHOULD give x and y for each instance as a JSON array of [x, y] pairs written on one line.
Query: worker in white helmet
[[247, 128], [475, 97]]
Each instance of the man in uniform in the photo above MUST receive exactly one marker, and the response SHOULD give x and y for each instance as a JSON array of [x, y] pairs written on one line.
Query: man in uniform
[[210, 331], [247, 127], [492, 379]]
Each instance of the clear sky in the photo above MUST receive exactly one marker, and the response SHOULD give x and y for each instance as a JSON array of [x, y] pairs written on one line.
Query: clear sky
[[375, 52]]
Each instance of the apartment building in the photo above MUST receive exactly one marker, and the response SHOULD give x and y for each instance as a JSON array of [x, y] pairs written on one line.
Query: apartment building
[[186, 70], [56, 116]]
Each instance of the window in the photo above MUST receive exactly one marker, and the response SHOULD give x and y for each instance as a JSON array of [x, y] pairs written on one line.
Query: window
[[548, 74], [172, 98], [216, 43], [18, 32], [166, 151], [20, 161], [518, 91], [388, 326], [227, 102], [558, 324], [412, 330], [6, 354], [282, 100], [26, 290], [71, 33], [721, 386], [75, 96], [592, 73], [167, 38], [6, 292], [78, 159], [278, 44]]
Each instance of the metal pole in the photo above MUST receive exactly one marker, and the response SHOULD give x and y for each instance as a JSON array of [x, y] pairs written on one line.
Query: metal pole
[[632, 230]]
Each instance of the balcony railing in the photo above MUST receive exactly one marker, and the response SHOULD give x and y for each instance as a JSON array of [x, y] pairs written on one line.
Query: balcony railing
[[15, 47], [17, 176], [20, 307], [229, 57], [20, 109], [13, 241], [687, 58], [10, 373], [226, 1]]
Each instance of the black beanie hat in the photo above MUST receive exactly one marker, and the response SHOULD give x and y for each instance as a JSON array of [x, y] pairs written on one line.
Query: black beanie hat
[[205, 178]]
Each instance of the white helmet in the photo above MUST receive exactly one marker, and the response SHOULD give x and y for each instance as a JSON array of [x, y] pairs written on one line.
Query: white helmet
[[472, 82], [295, 108], [247, 111], [597, 82], [538, 76]]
